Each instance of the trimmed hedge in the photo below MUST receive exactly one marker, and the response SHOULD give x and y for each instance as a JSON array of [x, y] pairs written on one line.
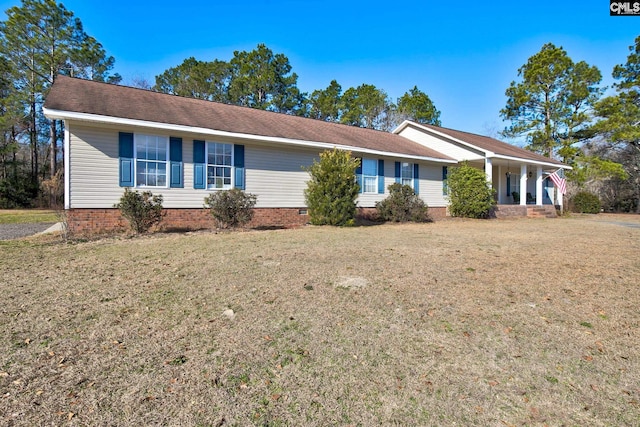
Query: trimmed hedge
[[231, 208], [142, 210], [402, 205]]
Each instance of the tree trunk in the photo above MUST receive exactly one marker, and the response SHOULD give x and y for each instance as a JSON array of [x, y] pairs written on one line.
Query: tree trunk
[[52, 124], [638, 195], [15, 152], [547, 126], [33, 134]]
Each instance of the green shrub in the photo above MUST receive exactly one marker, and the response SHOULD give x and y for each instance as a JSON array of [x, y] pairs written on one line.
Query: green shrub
[[402, 205], [17, 192], [470, 195], [231, 208], [332, 190], [585, 202], [142, 210]]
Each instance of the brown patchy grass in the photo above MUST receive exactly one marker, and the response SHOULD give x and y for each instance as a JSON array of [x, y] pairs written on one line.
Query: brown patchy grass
[[525, 322]]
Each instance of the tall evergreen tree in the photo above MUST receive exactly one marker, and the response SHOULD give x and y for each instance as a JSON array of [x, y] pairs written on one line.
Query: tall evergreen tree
[[261, 79], [416, 105], [549, 106], [10, 121], [324, 104], [366, 106], [42, 39], [620, 118], [196, 79]]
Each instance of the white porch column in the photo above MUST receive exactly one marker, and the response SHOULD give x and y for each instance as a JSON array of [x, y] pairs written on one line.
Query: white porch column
[[523, 184], [500, 185], [559, 195], [488, 170], [67, 166], [539, 186]]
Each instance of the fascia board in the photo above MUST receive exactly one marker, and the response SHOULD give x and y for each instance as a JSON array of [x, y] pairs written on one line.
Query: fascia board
[[533, 162]]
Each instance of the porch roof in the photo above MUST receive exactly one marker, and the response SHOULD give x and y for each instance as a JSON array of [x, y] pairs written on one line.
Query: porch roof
[[491, 147]]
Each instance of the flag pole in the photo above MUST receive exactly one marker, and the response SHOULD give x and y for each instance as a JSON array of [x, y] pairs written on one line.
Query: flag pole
[[554, 176]]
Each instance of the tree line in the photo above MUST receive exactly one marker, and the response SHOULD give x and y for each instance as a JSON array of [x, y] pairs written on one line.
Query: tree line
[[39, 40], [263, 79], [557, 105]]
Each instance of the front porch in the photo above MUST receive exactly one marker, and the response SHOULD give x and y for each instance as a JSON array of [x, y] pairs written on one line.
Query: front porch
[[520, 183]]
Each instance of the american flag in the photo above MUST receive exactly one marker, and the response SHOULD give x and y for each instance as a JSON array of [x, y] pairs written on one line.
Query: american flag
[[559, 181]]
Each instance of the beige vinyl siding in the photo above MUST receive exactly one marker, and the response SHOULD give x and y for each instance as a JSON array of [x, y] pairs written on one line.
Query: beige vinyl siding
[[430, 184], [94, 167], [94, 171], [272, 172], [277, 176], [447, 148]]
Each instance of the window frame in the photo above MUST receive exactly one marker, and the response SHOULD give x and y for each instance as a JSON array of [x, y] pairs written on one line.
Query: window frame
[[230, 166], [410, 166], [136, 142], [445, 181], [365, 176]]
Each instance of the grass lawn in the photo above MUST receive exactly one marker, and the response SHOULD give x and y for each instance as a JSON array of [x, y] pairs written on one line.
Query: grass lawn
[[489, 323], [19, 216]]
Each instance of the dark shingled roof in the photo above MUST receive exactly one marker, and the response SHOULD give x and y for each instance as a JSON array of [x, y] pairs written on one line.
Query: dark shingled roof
[[84, 96], [493, 145]]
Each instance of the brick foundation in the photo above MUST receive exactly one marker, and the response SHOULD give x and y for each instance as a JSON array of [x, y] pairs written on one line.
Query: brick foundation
[[438, 213], [370, 214], [98, 221]]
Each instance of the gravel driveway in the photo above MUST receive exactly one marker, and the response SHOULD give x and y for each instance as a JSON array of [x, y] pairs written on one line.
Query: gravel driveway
[[15, 231]]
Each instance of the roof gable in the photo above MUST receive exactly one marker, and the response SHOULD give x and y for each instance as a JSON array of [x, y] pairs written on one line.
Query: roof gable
[[490, 146], [72, 95]]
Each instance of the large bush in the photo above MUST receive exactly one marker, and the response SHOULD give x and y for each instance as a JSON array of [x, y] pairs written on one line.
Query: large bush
[[142, 210], [470, 195], [17, 192], [332, 190], [402, 205], [585, 202], [231, 208]]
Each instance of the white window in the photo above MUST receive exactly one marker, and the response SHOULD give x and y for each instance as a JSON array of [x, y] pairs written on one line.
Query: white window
[[369, 176], [151, 160], [406, 174], [219, 161]]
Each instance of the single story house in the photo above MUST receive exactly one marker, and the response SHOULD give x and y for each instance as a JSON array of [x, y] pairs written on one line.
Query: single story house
[[183, 148]]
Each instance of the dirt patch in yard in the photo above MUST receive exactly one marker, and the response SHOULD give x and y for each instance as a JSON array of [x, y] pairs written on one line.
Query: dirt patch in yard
[[525, 322]]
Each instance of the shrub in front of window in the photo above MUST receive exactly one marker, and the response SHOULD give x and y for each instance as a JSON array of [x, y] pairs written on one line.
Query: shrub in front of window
[[585, 202], [402, 205], [470, 195], [142, 210], [231, 208], [332, 190]]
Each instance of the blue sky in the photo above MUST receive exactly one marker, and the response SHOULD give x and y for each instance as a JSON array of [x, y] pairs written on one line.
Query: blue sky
[[462, 54]]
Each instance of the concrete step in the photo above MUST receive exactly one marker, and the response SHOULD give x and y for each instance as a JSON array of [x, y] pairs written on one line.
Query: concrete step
[[524, 211]]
